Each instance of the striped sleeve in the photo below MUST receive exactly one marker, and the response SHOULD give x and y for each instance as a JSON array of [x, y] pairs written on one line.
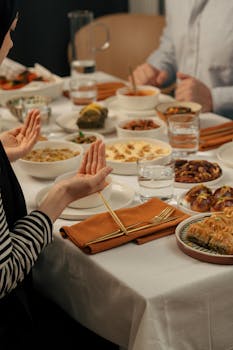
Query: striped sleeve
[[20, 248]]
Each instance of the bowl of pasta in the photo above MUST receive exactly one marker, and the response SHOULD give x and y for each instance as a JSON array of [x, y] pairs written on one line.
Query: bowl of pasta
[[49, 159]]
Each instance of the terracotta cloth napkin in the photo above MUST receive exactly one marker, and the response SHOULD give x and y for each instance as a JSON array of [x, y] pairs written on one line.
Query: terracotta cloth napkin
[[101, 224], [105, 90], [215, 136]]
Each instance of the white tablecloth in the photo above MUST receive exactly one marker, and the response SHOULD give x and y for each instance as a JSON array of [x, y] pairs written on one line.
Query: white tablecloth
[[141, 297]]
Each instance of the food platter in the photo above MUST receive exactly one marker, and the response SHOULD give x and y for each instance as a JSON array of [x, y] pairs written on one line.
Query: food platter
[[187, 169], [196, 251]]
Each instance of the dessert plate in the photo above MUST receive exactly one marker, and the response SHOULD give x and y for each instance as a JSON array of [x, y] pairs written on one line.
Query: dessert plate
[[194, 250], [67, 122], [122, 195]]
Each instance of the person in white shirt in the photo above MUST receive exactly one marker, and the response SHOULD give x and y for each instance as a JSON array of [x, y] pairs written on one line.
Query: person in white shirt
[[196, 51]]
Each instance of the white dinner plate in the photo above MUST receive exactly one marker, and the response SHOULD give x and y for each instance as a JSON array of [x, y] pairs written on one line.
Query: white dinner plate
[[67, 122], [193, 249], [122, 196], [113, 105], [224, 154]]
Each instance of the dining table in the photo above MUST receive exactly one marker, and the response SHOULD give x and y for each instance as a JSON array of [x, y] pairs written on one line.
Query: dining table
[[150, 296]]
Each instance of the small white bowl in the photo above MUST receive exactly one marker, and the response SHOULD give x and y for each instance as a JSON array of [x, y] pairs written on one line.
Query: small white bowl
[[91, 201], [52, 169], [155, 132], [148, 99], [125, 167], [161, 108], [73, 138]]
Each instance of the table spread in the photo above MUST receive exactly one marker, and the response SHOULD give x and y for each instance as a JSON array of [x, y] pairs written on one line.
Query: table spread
[[141, 297]]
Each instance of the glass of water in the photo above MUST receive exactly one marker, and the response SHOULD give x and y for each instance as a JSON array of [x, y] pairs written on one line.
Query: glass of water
[[183, 134], [83, 91], [155, 180]]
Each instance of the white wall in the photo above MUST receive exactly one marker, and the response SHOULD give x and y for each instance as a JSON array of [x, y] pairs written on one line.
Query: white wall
[[144, 6]]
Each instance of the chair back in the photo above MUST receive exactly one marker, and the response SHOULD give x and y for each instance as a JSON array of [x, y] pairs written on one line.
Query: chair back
[[132, 38]]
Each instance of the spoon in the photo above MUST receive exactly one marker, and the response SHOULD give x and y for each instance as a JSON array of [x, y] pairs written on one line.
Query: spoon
[[134, 87]]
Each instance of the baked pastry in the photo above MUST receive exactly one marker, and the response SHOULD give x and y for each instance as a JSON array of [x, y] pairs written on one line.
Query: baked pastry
[[202, 203], [195, 191], [224, 191], [218, 204], [214, 232], [196, 171], [92, 116]]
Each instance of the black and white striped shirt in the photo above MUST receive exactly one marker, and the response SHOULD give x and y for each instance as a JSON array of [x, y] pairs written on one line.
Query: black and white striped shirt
[[20, 248]]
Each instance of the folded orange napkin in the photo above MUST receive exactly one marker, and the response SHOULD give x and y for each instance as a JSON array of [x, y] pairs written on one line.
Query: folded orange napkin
[[215, 136], [101, 224], [108, 89]]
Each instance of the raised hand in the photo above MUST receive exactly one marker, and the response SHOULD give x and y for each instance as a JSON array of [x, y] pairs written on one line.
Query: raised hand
[[19, 141]]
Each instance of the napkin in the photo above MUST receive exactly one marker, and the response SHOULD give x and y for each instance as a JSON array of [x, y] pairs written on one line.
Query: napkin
[[108, 89], [105, 90], [101, 224], [215, 136]]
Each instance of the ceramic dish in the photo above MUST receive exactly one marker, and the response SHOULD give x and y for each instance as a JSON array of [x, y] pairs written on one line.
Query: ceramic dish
[[194, 250], [207, 183], [224, 154], [91, 201], [123, 146], [153, 132], [122, 196], [67, 122], [145, 97], [85, 146], [43, 168], [113, 105], [161, 108]]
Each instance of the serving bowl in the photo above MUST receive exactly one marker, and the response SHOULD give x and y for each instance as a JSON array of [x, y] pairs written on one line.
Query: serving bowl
[[146, 97], [49, 159], [94, 199], [84, 139], [142, 127], [19, 106], [122, 153], [165, 109]]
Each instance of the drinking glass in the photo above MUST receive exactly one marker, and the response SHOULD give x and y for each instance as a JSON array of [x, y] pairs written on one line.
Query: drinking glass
[[155, 180], [183, 134], [83, 41], [82, 91]]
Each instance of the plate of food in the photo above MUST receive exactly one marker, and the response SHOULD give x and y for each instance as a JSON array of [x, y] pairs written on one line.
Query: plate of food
[[201, 199], [93, 117], [122, 196], [224, 154], [207, 237], [196, 171]]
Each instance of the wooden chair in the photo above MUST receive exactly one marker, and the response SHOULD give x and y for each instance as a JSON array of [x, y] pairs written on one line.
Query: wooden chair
[[132, 38]]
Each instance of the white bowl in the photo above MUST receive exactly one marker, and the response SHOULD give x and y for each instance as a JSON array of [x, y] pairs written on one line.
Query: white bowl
[[91, 201], [155, 132], [85, 146], [52, 169], [126, 167], [138, 102]]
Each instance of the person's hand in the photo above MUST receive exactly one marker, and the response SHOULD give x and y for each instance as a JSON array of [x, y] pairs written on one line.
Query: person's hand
[[191, 89], [19, 141], [147, 74], [90, 178]]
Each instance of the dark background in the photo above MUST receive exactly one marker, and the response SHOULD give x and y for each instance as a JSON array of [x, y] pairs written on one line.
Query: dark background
[[42, 34]]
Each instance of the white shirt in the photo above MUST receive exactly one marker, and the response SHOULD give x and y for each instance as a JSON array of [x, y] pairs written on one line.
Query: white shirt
[[198, 40]]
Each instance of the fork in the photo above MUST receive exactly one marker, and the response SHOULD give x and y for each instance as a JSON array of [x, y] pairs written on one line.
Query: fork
[[162, 216]]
